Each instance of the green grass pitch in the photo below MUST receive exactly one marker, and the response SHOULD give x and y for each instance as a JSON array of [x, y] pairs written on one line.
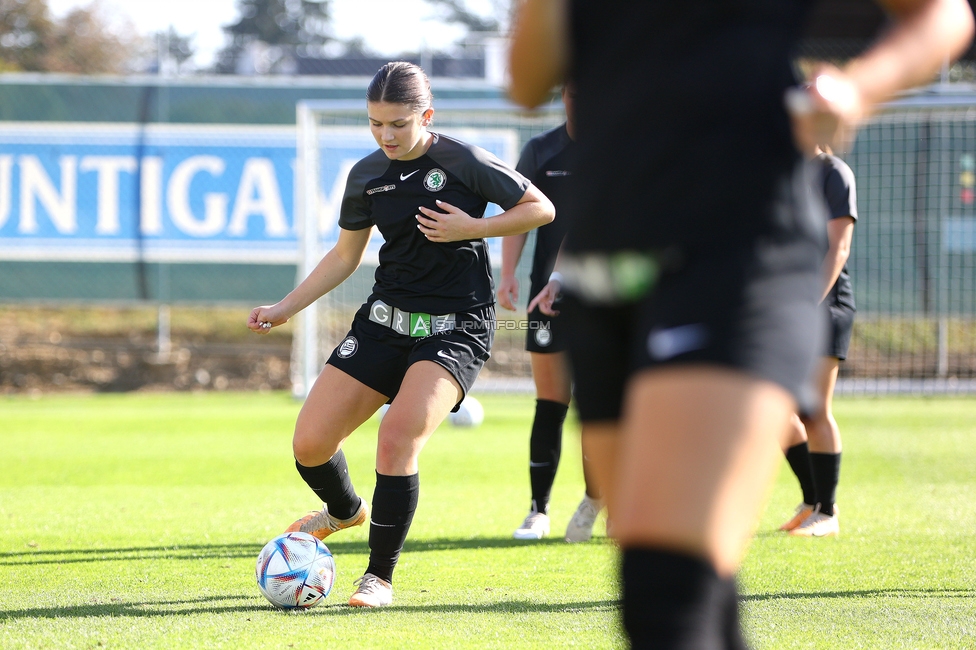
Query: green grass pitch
[[134, 520]]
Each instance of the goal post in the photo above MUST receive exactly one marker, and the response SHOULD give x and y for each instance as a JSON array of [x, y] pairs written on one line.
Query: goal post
[[331, 136]]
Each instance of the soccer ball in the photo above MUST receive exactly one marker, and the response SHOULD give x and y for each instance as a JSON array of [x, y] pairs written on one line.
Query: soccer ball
[[469, 414], [295, 571]]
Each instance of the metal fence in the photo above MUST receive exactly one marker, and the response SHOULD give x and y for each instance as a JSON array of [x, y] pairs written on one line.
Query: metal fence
[[912, 260], [149, 191]]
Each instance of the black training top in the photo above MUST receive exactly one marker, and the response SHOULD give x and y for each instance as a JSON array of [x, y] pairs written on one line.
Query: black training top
[[841, 199], [415, 274], [683, 135], [547, 161]]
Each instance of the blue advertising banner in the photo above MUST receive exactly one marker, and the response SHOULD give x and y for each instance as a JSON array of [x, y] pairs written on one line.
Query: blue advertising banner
[[161, 193]]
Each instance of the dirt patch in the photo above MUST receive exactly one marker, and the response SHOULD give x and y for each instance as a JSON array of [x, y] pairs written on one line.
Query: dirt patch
[[116, 349], [47, 349]]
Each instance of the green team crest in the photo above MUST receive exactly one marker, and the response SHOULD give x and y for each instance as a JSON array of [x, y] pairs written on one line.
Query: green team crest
[[435, 180]]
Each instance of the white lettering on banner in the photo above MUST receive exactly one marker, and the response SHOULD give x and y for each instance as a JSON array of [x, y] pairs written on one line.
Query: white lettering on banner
[[329, 204], [36, 184], [6, 182], [108, 169], [151, 196], [259, 176], [178, 198]]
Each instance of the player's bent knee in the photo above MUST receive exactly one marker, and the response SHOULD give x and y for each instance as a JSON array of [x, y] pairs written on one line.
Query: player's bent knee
[[310, 449]]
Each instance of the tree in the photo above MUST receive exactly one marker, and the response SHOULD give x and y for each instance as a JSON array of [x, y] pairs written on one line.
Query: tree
[[458, 12], [82, 42], [173, 48], [24, 27], [278, 31]]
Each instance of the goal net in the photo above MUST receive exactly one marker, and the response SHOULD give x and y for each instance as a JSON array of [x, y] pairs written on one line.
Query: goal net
[[332, 136]]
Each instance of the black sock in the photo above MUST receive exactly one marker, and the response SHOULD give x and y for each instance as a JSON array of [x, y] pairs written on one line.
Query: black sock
[[331, 483], [545, 447], [826, 475], [675, 602], [798, 456], [733, 630], [394, 502]]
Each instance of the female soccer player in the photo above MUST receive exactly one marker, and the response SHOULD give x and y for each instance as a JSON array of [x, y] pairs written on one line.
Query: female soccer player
[[547, 161], [814, 445], [423, 335], [692, 263]]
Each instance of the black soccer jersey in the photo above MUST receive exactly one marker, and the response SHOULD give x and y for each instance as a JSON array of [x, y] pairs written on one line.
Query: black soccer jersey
[[547, 161], [415, 274], [700, 156], [841, 199]]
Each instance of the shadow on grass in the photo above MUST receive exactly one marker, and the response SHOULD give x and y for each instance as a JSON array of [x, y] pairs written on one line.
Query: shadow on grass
[[219, 605], [865, 593], [196, 552]]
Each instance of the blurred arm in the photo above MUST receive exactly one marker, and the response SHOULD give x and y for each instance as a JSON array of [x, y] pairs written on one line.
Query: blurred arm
[[540, 50]]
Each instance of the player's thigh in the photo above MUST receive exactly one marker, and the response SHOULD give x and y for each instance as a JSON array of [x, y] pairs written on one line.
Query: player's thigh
[[550, 372], [426, 396], [699, 446], [335, 406]]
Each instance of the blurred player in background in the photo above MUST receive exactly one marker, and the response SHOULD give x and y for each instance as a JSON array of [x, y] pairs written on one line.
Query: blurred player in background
[[547, 161], [423, 335], [692, 263], [814, 445]]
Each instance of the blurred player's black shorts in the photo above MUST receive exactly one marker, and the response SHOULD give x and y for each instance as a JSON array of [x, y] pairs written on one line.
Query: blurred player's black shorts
[[546, 333], [840, 326], [751, 309], [378, 356]]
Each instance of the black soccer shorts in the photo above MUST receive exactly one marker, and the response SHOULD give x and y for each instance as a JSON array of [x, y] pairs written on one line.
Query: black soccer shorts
[[753, 310], [839, 329], [545, 334], [379, 356]]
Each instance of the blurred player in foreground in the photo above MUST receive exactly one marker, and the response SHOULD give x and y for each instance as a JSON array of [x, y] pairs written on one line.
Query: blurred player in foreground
[[692, 263], [814, 446], [547, 161], [421, 338]]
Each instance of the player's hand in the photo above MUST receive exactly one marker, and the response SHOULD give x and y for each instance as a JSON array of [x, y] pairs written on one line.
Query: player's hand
[[508, 292], [262, 319], [453, 224], [545, 299], [826, 111]]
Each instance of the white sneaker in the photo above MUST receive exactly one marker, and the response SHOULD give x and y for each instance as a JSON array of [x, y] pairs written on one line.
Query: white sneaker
[[818, 525], [800, 515], [580, 528], [372, 592], [535, 526]]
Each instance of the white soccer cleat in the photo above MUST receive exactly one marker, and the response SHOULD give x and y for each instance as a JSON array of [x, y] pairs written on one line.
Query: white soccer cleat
[[580, 528], [371, 592], [535, 526], [818, 525], [802, 512]]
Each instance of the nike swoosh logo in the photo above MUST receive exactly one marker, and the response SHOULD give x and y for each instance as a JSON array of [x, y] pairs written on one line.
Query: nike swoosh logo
[[444, 355], [404, 177], [668, 343]]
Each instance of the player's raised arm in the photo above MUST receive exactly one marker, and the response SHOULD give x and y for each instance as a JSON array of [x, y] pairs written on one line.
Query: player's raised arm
[[337, 265], [926, 34], [539, 54]]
